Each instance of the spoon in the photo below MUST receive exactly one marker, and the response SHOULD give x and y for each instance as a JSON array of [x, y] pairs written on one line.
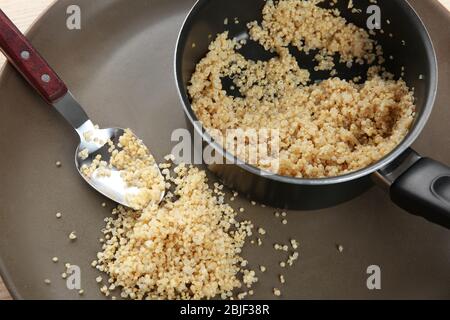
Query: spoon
[[25, 58]]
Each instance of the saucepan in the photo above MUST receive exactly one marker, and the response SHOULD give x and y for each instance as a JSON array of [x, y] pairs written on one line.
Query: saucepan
[[415, 183]]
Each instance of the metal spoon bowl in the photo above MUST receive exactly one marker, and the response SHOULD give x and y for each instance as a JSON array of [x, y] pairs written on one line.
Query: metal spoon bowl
[[111, 186]]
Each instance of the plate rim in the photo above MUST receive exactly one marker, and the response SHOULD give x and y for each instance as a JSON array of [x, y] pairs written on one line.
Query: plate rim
[[4, 70]]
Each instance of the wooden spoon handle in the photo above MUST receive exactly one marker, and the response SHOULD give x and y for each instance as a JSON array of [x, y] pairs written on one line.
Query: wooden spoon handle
[[24, 57]]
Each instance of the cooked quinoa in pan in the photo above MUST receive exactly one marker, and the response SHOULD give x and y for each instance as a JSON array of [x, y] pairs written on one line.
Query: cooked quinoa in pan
[[327, 128]]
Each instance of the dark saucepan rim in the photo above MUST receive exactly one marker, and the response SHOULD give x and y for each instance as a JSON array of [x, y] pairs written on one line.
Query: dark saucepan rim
[[407, 142]]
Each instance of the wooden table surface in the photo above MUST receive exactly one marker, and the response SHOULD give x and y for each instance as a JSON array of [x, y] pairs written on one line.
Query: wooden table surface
[[23, 13]]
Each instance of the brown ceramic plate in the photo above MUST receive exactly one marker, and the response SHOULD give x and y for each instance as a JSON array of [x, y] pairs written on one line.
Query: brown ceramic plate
[[119, 65]]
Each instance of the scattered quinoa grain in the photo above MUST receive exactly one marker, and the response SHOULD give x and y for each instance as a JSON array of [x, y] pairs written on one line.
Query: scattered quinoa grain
[[294, 244], [72, 236], [292, 258], [276, 292]]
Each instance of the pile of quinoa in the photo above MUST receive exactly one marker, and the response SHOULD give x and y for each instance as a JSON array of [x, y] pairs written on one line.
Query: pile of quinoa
[[187, 247], [327, 129]]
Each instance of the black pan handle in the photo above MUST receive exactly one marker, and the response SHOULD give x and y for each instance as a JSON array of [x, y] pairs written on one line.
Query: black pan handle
[[421, 186]]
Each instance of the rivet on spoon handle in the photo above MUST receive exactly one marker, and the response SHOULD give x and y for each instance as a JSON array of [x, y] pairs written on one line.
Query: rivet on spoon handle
[[28, 62]]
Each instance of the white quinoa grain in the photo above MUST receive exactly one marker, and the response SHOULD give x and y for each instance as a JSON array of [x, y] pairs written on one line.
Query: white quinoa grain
[[276, 292], [72, 236], [84, 154], [292, 258], [294, 244]]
